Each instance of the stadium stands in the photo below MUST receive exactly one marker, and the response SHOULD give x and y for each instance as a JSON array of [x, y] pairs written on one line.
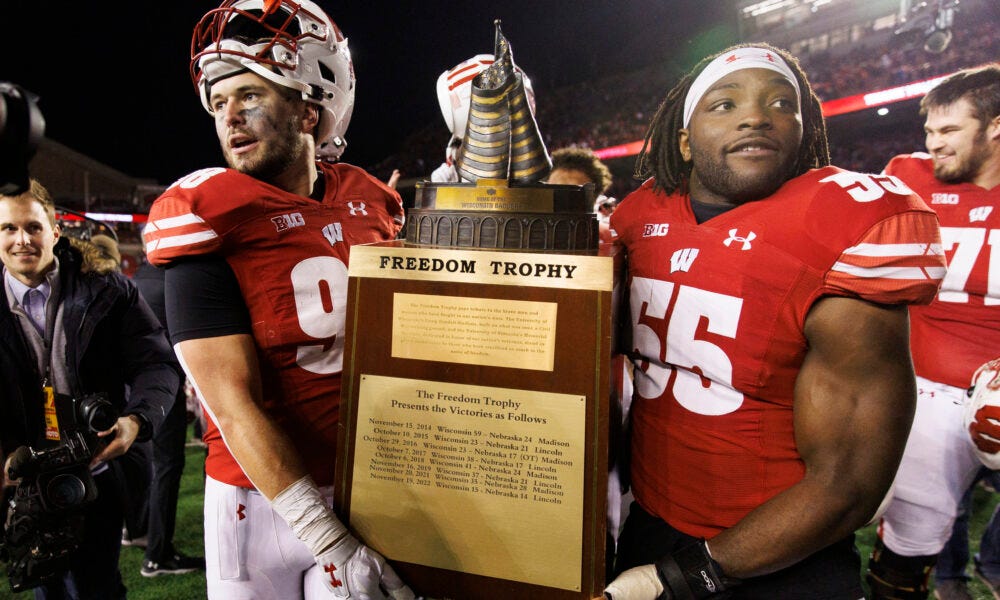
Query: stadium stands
[[616, 110]]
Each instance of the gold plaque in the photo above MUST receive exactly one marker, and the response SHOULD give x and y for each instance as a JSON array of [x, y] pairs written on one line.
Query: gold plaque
[[475, 331], [495, 196], [470, 478]]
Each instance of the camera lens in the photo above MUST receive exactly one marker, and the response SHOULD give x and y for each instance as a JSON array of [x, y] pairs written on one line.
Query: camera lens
[[21, 129], [65, 491], [97, 414]]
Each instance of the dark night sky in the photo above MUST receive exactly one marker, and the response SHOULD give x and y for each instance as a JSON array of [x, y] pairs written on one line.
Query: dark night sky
[[112, 75]]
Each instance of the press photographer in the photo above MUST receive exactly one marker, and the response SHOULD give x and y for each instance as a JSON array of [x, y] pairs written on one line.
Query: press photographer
[[72, 330]]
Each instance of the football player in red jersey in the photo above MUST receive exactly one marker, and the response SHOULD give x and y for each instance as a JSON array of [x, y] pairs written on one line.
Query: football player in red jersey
[[953, 335], [256, 283], [768, 297]]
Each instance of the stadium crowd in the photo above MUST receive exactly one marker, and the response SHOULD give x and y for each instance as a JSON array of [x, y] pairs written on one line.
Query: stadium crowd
[[616, 110]]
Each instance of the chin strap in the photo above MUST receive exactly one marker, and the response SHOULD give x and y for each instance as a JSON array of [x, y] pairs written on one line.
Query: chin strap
[[692, 574]]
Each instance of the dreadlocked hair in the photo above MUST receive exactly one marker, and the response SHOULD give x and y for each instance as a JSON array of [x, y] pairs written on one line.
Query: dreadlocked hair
[[661, 158]]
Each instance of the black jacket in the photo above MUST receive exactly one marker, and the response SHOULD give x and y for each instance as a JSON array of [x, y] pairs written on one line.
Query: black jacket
[[113, 340]]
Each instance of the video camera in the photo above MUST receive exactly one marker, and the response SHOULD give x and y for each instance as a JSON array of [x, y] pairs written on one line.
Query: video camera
[[21, 129], [44, 516]]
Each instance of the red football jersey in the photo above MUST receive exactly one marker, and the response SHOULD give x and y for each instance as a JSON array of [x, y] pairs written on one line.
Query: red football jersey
[[960, 329], [717, 314], [290, 256]]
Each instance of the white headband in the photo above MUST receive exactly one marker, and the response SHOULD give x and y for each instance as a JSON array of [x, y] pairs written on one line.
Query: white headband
[[730, 62]]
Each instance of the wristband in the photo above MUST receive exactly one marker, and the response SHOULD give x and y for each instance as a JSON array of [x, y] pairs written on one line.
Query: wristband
[[692, 574], [301, 505]]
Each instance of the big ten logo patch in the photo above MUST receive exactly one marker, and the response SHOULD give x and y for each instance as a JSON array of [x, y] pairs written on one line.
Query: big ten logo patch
[[940, 198], [285, 222], [655, 229]]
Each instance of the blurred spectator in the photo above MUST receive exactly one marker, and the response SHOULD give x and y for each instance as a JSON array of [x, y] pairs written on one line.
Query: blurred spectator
[[580, 166], [108, 247], [167, 457], [132, 469]]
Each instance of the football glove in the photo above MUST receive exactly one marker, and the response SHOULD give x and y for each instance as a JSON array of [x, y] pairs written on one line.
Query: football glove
[[351, 569], [982, 413]]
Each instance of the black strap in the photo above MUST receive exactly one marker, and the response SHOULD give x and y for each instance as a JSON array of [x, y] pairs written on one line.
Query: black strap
[[690, 573]]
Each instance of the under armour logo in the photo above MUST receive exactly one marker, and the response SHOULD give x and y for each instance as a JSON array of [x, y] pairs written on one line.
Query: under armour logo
[[682, 259], [330, 568], [241, 512], [736, 238], [735, 57], [360, 208], [979, 213]]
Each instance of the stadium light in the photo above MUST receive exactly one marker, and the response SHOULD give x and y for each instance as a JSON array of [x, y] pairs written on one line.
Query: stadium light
[[939, 38], [927, 21]]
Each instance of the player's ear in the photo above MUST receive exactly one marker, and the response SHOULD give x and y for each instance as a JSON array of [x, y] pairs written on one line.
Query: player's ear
[[993, 129], [310, 117], [683, 144]]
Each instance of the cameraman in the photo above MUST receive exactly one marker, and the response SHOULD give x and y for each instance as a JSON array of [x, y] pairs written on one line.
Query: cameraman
[[72, 324]]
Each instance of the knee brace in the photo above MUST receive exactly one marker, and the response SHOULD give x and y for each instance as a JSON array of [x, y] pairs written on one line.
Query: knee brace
[[894, 577]]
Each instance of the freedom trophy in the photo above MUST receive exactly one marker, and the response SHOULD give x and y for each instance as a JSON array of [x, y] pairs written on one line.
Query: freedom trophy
[[478, 380]]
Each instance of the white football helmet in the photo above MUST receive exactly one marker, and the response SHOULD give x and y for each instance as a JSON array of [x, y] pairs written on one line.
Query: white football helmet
[[454, 92], [985, 391], [292, 43]]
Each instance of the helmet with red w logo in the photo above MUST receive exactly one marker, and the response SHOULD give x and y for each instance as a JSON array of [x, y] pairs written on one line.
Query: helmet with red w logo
[[292, 43]]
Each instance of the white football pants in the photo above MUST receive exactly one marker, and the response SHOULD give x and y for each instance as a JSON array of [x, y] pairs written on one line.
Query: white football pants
[[251, 553], [938, 466]]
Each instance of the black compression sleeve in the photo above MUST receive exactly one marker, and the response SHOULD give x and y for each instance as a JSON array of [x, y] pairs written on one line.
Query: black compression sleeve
[[203, 299]]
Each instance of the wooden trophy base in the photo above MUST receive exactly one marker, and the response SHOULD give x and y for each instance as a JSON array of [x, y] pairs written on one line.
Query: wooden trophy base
[[475, 417]]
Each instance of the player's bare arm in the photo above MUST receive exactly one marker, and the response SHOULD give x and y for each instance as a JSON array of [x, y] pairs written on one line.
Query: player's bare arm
[[854, 401], [225, 371]]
